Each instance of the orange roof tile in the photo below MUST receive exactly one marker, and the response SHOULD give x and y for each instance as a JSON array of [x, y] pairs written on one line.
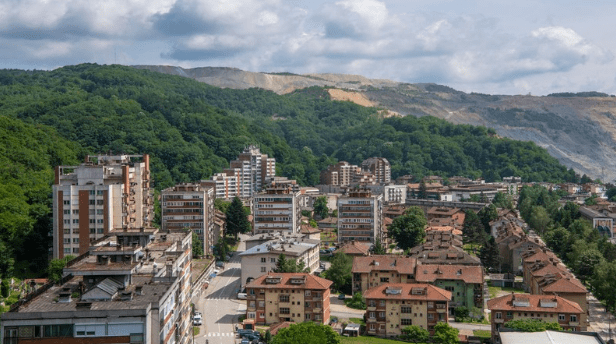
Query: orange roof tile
[[403, 265], [432, 272], [505, 303], [311, 281], [356, 248], [431, 293]]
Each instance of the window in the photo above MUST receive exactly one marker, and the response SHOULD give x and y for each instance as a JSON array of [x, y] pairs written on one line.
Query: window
[[263, 260], [91, 202], [284, 298], [263, 269], [91, 192], [405, 309], [92, 221], [67, 231], [75, 211], [307, 293], [67, 212], [509, 315], [384, 279], [92, 230], [261, 303], [99, 192], [75, 221], [372, 303], [67, 202], [67, 222], [573, 318], [99, 231], [307, 304], [430, 304], [430, 316], [58, 330], [307, 316], [498, 315], [99, 202], [75, 240], [285, 310], [272, 260], [405, 322], [382, 303], [67, 250], [381, 314], [561, 317], [99, 211], [372, 327], [67, 240], [251, 292], [371, 315]]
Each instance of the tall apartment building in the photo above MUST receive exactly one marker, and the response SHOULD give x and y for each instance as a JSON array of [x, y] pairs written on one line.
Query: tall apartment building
[[246, 175], [340, 174], [379, 167], [360, 216], [192, 206], [133, 286], [277, 209], [106, 192], [298, 297]]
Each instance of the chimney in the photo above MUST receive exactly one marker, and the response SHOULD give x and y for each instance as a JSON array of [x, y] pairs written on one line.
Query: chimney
[[83, 305]]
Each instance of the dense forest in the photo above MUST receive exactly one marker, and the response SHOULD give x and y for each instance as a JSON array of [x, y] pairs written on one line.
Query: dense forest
[[192, 130]]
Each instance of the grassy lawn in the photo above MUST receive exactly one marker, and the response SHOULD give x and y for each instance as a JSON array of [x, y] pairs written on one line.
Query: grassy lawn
[[358, 321], [368, 340], [498, 291], [482, 333], [196, 330]]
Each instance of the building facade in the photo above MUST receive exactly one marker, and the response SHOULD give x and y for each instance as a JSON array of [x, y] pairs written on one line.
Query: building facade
[[104, 193], [279, 297], [373, 271], [190, 205], [392, 307], [379, 167], [133, 286], [277, 210], [360, 216]]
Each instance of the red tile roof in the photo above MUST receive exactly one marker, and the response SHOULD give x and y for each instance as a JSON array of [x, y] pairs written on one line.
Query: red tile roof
[[274, 328], [403, 265], [432, 272], [356, 248], [431, 293], [310, 282], [505, 303], [565, 285]]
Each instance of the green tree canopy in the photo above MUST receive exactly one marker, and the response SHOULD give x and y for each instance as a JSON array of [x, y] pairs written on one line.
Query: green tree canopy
[[197, 245], [490, 256], [415, 334], [306, 333], [54, 271], [290, 265], [237, 221], [532, 325], [320, 206], [445, 334], [409, 229], [340, 272]]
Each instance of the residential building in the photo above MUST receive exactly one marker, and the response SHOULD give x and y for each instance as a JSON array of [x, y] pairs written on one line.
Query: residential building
[[380, 168], [354, 248], [132, 286], [373, 271], [548, 308], [279, 297], [465, 282], [455, 216], [360, 216], [602, 220], [276, 209], [104, 193], [391, 307], [394, 194], [508, 336], [246, 175], [190, 205], [340, 174], [261, 259]]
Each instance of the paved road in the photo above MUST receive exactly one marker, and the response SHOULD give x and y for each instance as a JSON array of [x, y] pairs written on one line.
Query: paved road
[[469, 326], [600, 321], [220, 306]]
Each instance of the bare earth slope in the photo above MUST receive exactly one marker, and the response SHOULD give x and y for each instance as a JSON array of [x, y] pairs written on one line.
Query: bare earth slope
[[579, 131]]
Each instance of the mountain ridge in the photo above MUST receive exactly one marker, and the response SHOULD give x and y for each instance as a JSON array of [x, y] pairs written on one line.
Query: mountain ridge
[[579, 131]]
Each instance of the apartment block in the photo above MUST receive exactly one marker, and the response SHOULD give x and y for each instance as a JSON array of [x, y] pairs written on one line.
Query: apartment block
[[547, 308], [373, 271], [340, 174], [190, 206], [261, 259], [379, 167], [360, 216], [297, 297], [465, 282], [132, 286], [392, 307], [104, 193], [246, 175], [277, 209]]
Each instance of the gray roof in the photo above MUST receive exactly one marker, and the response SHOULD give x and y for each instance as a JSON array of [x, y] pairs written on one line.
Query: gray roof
[[293, 247], [549, 337]]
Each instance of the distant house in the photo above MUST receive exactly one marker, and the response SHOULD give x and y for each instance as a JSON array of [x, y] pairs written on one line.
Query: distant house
[[372, 271], [355, 248]]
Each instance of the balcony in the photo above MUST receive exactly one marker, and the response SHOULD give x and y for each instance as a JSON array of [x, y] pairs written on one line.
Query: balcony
[[370, 320], [499, 321], [371, 308], [574, 323]]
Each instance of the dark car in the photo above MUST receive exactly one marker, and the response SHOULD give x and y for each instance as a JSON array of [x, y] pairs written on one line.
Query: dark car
[[341, 297]]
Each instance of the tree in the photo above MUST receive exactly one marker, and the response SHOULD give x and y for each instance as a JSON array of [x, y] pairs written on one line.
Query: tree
[[5, 288], [489, 255], [586, 263], [357, 301], [221, 248], [486, 215], [290, 265], [532, 325], [409, 229], [237, 221], [415, 334], [54, 270], [502, 200], [422, 193], [611, 193], [445, 334], [320, 206], [306, 333], [460, 313], [603, 284], [197, 245], [221, 205], [472, 228], [340, 271], [539, 219], [268, 337], [378, 247]]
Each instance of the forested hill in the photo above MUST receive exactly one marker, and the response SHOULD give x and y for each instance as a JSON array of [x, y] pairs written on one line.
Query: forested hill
[[192, 130]]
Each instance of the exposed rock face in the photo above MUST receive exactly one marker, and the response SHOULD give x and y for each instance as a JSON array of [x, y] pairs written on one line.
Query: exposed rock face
[[578, 131]]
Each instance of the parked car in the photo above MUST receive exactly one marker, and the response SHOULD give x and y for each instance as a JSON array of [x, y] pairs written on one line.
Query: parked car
[[220, 264], [324, 252], [322, 265], [197, 319], [341, 297], [242, 296]]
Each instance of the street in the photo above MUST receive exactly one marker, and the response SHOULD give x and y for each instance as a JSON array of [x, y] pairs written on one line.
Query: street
[[220, 306]]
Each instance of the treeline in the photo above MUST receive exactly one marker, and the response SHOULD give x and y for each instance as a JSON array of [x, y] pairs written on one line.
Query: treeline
[[192, 130], [588, 253], [579, 94]]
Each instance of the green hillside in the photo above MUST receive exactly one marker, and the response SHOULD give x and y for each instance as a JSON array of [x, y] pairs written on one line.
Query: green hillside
[[192, 130]]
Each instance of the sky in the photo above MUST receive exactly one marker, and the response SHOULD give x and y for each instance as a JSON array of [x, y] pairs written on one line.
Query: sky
[[486, 46]]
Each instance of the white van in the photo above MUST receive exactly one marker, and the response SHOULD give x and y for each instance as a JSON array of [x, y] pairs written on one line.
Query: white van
[[241, 296]]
